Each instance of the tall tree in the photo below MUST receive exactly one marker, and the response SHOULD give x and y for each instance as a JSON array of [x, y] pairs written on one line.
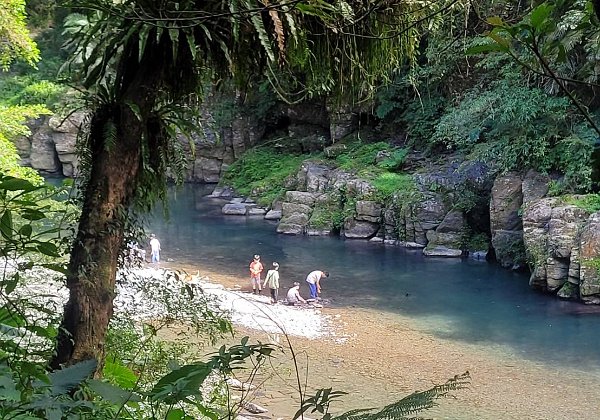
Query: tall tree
[[15, 42], [141, 62]]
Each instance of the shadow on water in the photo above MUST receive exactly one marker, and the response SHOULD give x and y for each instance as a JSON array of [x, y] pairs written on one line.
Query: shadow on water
[[459, 299]]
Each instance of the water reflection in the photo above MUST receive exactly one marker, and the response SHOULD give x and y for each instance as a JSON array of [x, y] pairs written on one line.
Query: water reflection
[[458, 299]]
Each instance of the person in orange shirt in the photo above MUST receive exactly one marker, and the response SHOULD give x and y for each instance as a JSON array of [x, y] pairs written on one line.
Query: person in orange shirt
[[256, 268]]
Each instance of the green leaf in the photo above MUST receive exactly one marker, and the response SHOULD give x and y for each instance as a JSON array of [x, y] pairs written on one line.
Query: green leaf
[[64, 380], [49, 249], [56, 267], [33, 214], [8, 389], [11, 283], [499, 39], [42, 331], [6, 225], [135, 109], [176, 414], [143, 40], [26, 231], [16, 184], [189, 36], [119, 374], [539, 15], [495, 21], [174, 36], [11, 318], [180, 383], [111, 393]]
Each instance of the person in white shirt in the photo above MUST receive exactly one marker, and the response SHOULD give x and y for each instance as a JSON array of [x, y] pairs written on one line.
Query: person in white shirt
[[293, 295], [155, 248], [314, 282], [272, 280]]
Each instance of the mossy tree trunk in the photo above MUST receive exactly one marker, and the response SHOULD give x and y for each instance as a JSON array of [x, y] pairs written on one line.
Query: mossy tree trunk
[[116, 165]]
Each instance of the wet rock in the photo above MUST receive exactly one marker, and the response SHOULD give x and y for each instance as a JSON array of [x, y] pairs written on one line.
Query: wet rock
[[273, 215], [236, 209], [442, 251], [256, 211], [358, 229]]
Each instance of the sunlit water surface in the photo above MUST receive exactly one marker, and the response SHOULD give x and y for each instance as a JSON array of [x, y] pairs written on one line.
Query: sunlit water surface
[[459, 299]]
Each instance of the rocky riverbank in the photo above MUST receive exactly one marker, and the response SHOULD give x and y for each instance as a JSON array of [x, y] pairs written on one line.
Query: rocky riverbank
[[384, 357]]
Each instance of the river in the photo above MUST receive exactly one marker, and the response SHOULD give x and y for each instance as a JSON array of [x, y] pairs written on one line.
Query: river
[[459, 299]]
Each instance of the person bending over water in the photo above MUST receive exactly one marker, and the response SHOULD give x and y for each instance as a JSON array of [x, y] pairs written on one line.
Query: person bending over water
[[314, 282]]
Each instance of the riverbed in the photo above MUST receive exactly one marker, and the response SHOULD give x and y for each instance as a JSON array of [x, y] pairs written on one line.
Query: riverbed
[[378, 358], [408, 322]]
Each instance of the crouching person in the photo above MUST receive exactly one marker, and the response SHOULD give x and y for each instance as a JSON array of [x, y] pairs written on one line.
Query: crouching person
[[293, 295]]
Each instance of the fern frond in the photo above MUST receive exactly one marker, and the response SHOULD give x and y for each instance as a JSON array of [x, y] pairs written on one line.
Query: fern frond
[[279, 32], [411, 404], [109, 135]]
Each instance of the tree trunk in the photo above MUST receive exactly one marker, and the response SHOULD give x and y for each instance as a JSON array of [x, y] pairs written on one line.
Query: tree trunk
[[115, 170]]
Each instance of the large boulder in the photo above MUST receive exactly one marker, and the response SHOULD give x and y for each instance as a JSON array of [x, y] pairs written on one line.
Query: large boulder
[[448, 237], [367, 210], [301, 197], [359, 229]]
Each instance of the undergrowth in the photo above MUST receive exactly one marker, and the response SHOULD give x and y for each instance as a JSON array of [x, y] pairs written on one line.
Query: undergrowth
[[261, 174]]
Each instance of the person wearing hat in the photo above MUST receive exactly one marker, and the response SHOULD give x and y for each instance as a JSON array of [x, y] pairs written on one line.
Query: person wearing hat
[[255, 269], [272, 280]]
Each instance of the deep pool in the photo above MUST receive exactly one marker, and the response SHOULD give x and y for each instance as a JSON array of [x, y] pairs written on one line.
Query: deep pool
[[459, 299]]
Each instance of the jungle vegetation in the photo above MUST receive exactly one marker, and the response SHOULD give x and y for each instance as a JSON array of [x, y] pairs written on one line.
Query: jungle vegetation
[[512, 83]]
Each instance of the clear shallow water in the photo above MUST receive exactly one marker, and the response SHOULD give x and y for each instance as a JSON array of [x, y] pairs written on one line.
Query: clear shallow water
[[463, 300]]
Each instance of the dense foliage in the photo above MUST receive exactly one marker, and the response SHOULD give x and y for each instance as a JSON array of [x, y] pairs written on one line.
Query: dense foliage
[[530, 102]]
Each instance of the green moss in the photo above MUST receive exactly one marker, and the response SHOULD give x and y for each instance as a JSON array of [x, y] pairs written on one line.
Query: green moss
[[390, 184], [261, 173], [593, 263], [589, 203]]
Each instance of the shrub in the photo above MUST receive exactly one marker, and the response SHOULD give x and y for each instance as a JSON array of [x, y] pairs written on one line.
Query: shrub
[[589, 203], [261, 173], [391, 184]]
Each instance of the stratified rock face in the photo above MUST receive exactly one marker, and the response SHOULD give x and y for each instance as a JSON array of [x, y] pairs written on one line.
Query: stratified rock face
[[551, 232], [368, 211], [589, 256], [509, 193], [505, 221], [447, 239]]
